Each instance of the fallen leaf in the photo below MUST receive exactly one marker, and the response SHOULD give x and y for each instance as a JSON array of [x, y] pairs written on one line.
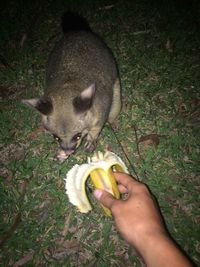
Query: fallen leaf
[[26, 257], [6, 174], [150, 140], [66, 225], [33, 135], [195, 102], [106, 7], [153, 76], [62, 249], [168, 46], [70, 245], [182, 107], [12, 152], [12, 92], [23, 39], [12, 229]]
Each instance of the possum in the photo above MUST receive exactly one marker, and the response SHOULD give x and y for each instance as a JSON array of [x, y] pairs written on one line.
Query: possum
[[82, 90]]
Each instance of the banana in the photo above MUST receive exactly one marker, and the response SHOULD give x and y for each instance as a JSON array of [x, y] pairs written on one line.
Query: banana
[[100, 169]]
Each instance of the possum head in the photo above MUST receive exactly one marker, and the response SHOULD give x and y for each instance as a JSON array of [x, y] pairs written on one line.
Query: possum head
[[65, 118]]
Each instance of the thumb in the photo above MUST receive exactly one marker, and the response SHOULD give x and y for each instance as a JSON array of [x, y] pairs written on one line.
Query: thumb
[[104, 198]]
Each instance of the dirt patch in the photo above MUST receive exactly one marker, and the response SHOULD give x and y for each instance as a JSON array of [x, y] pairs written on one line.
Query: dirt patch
[[12, 152], [12, 92]]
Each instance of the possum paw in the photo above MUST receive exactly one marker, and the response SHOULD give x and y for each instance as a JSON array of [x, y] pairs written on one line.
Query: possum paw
[[63, 155], [90, 146]]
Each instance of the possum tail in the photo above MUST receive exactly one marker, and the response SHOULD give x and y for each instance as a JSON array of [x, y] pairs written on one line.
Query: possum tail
[[74, 22]]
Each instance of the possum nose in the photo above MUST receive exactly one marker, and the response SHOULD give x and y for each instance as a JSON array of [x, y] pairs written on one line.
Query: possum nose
[[66, 147]]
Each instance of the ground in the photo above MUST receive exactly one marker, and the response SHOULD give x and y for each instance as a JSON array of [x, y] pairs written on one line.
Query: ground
[[156, 46]]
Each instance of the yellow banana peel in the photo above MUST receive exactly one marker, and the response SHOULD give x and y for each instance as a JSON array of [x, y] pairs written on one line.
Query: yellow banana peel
[[100, 169]]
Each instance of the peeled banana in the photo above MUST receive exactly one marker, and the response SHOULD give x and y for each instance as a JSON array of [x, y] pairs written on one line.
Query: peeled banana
[[100, 169]]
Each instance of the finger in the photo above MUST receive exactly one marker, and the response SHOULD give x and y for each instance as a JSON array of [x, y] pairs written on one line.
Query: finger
[[104, 198], [122, 189], [126, 180], [130, 183]]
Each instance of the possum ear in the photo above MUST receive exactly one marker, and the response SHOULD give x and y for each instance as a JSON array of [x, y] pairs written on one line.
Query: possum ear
[[43, 105], [84, 101]]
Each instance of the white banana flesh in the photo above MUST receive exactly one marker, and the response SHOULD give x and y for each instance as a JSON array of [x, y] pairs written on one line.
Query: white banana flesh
[[100, 169]]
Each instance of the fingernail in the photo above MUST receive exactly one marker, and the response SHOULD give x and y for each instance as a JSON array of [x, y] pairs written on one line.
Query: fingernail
[[98, 193]]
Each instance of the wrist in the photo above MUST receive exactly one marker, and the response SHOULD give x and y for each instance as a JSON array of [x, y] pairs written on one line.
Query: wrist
[[146, 241], [154, 241], [160, 250]]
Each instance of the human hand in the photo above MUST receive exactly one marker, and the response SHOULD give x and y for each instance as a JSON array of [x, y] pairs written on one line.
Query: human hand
[[137, 218], [139, 221]]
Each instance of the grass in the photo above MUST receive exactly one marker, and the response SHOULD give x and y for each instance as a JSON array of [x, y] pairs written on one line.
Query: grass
[[156, 45]]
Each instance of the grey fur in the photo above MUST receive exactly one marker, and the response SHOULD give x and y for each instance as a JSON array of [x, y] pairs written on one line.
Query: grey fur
[[82, 84]]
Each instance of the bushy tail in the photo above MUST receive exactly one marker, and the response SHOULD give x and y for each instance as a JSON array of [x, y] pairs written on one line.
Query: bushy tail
[[74, 22]]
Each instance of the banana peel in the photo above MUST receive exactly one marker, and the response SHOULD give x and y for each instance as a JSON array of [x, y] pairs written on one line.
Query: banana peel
[[100, 169]]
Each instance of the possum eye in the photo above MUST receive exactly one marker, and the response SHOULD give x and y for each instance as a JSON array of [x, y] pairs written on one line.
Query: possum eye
[[56, 138], [76, 137]]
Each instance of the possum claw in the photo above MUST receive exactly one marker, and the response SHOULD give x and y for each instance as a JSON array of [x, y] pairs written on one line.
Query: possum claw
[[90, 146]]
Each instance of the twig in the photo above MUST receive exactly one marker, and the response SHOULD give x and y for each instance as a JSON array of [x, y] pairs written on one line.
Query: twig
[[137, 141], [141, 32], [126, 156]]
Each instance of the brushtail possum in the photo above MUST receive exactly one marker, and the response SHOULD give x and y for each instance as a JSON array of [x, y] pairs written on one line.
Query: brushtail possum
[[82, 89]]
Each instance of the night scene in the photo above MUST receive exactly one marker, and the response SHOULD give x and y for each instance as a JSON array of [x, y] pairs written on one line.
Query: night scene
[[100, 128]]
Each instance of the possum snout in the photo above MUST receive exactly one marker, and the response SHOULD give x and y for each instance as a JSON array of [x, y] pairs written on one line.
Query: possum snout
[[68, 147]]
